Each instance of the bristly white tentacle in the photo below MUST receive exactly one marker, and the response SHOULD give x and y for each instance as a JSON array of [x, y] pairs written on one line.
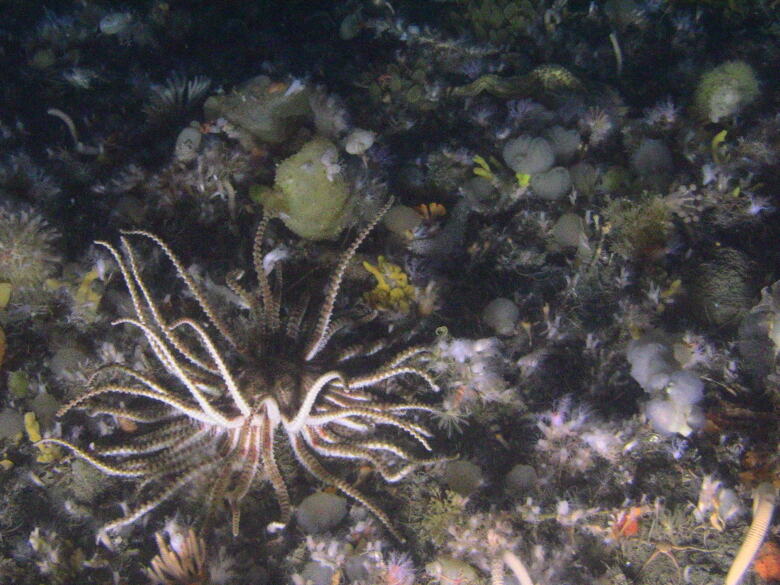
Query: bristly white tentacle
[[129, 281], [179, 405], [418, 432], [166, 358], [225, 374], [313, 392], [163, 496], [157, 318], [271, 305], [320, 336], [382, 375], [313, 466], [192, 286]]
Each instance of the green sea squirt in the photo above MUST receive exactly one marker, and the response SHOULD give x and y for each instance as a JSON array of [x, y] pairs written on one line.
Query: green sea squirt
[[310, 193]]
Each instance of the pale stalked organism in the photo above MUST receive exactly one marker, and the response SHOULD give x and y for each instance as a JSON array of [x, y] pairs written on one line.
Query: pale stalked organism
[[220, 399]]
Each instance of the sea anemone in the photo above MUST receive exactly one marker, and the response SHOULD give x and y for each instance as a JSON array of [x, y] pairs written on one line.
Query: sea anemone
[[27, 254]]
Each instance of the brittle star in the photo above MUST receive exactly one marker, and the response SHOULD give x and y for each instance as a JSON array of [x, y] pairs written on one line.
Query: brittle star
[[666, 548]]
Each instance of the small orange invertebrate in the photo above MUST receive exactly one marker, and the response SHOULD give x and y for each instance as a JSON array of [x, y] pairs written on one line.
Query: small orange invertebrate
[[276, 87], [767, 563], [627, 523], [430, 211], [384, 79]]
